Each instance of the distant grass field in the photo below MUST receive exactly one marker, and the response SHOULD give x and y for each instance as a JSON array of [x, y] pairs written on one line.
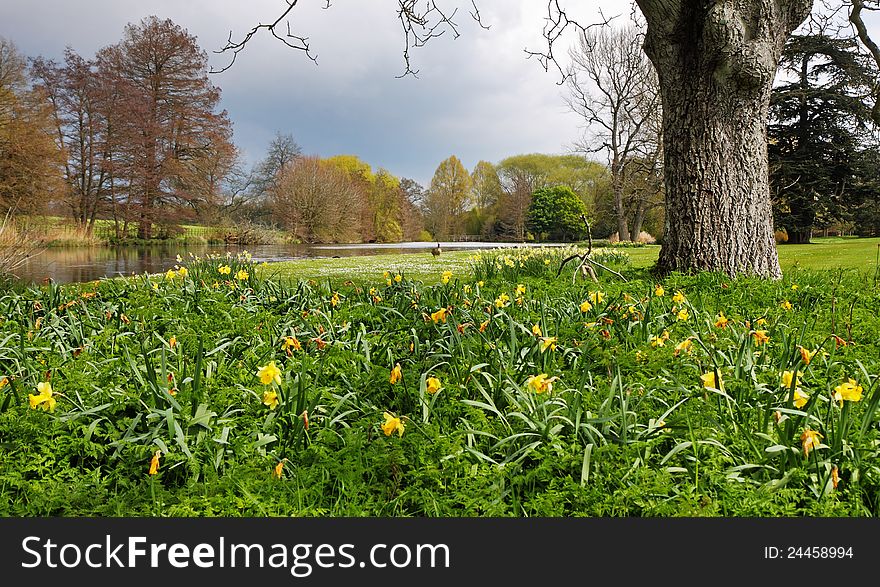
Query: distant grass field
[[824, 253]]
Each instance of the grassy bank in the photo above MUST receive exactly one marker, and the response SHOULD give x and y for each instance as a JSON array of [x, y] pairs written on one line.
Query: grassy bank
[[58, 232], [489, 388]]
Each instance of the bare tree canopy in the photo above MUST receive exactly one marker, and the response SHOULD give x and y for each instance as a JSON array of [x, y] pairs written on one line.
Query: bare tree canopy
[[613, 87]]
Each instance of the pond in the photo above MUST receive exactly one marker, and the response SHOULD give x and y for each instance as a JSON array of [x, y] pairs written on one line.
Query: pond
[[68, 265]]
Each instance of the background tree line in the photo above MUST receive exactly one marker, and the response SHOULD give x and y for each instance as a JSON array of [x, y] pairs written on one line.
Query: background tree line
[[136, 134]]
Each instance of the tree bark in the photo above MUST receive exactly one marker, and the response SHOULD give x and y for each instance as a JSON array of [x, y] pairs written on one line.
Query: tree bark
[[716, 61]]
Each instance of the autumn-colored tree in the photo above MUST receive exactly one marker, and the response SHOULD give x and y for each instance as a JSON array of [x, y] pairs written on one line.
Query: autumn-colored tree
[[29, 158], [166, 114], [76, 94], [317, 201], [448, 198]]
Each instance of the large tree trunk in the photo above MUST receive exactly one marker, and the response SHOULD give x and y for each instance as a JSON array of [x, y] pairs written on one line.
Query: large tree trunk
[[716, 62]]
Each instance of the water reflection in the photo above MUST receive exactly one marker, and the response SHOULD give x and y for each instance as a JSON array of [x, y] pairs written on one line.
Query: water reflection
[[89, 263]]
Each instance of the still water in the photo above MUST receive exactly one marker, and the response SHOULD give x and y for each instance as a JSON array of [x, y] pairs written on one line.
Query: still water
[[88, 263]]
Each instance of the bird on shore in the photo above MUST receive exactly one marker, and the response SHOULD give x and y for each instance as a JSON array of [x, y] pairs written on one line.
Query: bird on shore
[[436, 250]]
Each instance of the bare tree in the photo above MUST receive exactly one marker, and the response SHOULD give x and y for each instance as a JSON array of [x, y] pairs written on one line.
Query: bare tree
[[317, 201], [75, 91], [283, 150], [613, 87]]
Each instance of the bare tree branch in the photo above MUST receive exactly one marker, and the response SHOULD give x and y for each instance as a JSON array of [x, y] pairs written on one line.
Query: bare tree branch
[[420, 20], [291, 40], [556, 23]]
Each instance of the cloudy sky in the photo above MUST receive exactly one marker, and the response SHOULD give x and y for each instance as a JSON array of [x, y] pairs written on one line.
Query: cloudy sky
[[476, 96]]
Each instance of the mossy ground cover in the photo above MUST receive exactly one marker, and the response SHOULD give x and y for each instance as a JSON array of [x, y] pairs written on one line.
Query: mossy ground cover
[[705, 396]]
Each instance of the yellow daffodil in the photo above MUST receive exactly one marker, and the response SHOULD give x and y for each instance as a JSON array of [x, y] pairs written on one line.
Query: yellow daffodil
[[788, 376], [586, 306], [548, 343], [291, 342], [536, 329], [659, 291], [398, 278], [334, 300], [794, 287], [484, 325], [810, 439], [392, 423], [835, 476], [848, 390], [709, 381], [800, 398], [655, 341], [678, 298], [520, 290], [242, 275], [4, 381], [172, 342], [502, 301], [170, 274], [396, 374], [760, 322], [596, 297], [432, 385], [269, 373], [541, 383], [270, 398], [683, 314], [683, 347], [183, 272], [224, 269], [44, 398], [278, 470], [721, 320], [439, 315], [479, 284], [154, 463], [447, 275], [760, 337], [786, 305], [806, 356]]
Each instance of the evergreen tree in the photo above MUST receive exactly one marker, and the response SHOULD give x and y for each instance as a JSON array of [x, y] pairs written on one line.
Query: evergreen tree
[[820, 121]]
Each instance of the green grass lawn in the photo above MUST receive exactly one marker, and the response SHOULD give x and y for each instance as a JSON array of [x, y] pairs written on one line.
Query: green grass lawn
[[828, 253], [498, 389]]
